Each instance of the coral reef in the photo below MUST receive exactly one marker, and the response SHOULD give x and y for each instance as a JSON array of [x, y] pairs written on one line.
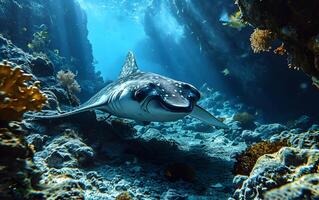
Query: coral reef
[[124, 196], [67, 80], [245, 161], [293, 23], [278, 169], [41, 40], [44, 33], [18, 175], [16, 97], [59, 162], [305, 187], [119, 159], [290, 173]]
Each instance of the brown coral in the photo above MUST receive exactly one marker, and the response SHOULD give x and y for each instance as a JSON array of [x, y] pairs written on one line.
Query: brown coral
[[282, 169], [124, 196], [260, 40], [247, 159], [16, 97], [245, 118], [67, 80]]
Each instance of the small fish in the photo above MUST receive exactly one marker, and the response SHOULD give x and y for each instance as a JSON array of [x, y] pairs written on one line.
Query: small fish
[[315, 82], [30, 46], [24, 29], [226, 72]]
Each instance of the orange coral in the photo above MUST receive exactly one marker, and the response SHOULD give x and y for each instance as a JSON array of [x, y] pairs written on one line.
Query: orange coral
[[124, 196], [247, 159], [260, 40], [16, 97], [280, 50]]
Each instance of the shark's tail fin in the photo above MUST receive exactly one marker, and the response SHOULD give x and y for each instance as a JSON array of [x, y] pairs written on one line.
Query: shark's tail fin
[[206, 117], [53, 115]]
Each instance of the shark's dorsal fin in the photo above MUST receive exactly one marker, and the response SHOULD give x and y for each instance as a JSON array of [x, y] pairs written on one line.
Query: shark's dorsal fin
[[130, 66]]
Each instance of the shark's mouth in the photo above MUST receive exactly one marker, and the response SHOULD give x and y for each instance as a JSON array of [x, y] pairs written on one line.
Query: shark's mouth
[[182, 106]]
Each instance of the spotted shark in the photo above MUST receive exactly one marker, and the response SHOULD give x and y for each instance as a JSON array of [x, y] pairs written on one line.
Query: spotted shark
[[145, 97]]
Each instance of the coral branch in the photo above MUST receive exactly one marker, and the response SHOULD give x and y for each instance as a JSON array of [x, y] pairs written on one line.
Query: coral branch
[[16, 97]]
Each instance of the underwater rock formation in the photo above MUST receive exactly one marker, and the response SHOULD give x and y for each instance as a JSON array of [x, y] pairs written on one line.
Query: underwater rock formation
[[59, 39], [247, 159], [290, 173], [305, 187], [249, 73], [15, 16], [294, 23], [18, 174], [262, 132], [59, 161], [42, 67]]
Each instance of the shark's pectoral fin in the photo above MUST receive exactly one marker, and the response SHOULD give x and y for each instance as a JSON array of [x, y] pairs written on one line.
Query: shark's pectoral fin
[[205, 116]]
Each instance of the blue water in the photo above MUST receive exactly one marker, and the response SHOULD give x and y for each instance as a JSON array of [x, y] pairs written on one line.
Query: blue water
[[157, 38], [186, 40]]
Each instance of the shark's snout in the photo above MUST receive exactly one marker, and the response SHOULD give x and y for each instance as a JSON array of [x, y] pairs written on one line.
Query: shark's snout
[[181, 99]]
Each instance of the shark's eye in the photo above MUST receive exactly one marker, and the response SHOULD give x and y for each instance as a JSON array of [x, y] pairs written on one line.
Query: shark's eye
[[191, 92], [142, 93]]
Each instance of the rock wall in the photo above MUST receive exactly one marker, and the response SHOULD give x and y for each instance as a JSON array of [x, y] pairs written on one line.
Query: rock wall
[[66, 25], [56, 29]]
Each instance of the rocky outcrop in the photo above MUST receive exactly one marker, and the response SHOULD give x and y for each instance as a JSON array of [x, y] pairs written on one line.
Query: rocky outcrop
[[291, 173], [295, 24], [305, 187], [66, 27], [55, 32], [229, 48], [18, 174]]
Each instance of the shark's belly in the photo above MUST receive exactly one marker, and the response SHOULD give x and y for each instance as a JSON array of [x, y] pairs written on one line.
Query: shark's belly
[[132, 110]]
